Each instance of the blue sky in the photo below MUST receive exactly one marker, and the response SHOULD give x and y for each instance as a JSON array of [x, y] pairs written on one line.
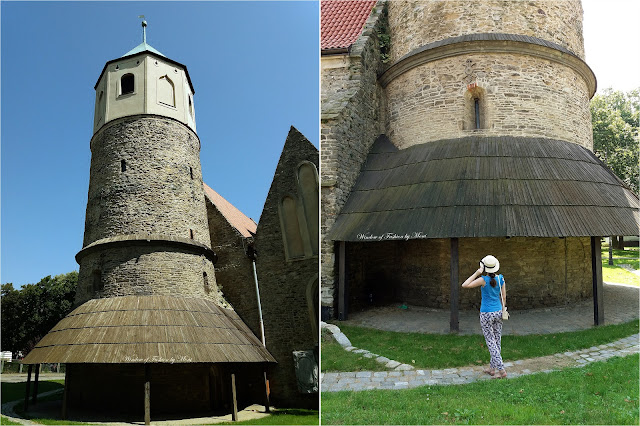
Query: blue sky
[[254, 67]]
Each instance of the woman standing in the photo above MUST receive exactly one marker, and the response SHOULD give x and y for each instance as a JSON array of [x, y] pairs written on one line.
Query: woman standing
[[493, 293]]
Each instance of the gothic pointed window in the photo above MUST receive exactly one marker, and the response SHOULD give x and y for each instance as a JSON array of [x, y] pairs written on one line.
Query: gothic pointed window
[[127, 84], [166, 91], [294, 247], [308, 184]]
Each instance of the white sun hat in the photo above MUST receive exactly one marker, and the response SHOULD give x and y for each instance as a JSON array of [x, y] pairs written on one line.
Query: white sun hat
[[490, 264]]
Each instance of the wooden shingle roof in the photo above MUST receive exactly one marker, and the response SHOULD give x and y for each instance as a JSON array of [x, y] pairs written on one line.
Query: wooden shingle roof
[[485, 187], [143, 329]]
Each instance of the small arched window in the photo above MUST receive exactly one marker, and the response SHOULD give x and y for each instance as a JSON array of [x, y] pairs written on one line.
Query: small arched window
[[205, 281], [294, 247], [127, 84], [476, 109]]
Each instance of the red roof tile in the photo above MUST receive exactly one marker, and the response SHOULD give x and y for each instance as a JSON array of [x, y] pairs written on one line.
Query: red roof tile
[[245, 226], [342, 21]]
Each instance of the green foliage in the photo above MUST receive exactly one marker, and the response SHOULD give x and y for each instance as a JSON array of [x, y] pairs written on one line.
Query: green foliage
[[6, 421], [436, 351], [614, 116], [30, 312], [384, 38], [601, 393]]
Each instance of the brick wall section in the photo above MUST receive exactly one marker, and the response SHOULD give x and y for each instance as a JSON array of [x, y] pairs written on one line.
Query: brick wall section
[[539, 272], [234, 271], [524, 96], [416, 23], [156, 184], [351, 120], [283, 284]]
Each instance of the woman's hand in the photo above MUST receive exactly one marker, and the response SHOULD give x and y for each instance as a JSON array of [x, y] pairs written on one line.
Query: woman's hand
[[473, 280]]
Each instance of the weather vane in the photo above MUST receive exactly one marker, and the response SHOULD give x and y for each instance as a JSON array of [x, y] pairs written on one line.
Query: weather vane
[[144, 28]]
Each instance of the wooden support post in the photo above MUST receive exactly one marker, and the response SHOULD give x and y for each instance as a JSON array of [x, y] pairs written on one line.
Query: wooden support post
[[147, 394], [65, 395], [267, 404], [342, 283], [598, 291], [234, 415], [34, 398], [454, 323], [611, 250], [26, 394]]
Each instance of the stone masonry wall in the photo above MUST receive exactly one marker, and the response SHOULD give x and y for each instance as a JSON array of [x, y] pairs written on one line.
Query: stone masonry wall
[[351, 119], [416, 23], [146, 270], [159, 192], [284, 284], [234, 271], [539, 272], [522, 96]]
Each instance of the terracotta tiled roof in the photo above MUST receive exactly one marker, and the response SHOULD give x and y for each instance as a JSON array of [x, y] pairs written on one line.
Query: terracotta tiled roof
[[245, 226], [342, 22]]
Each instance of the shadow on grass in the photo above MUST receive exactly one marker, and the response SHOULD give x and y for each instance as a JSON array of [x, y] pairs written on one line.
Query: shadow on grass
[[15, 391]]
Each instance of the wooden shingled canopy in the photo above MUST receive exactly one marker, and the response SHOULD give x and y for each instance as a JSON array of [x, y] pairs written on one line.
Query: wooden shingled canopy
[[149, 329], [485, 187]]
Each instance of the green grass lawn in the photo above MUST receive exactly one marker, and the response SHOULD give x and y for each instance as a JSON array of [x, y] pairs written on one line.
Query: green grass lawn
[[614, 273], [601, 393], [14, 391], [6, 421], [284, 416], [436, 351]]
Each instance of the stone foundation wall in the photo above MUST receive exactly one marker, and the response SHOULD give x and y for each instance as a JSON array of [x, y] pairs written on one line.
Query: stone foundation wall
[[519, 95], [351, 119], [539, 272], [416, 23], [118, 389]]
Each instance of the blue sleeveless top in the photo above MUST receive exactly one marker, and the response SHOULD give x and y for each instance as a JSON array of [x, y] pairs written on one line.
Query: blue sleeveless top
[[491, 295]]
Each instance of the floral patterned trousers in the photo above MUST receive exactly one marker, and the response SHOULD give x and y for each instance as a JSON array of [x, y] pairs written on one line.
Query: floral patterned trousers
[[491, 323]]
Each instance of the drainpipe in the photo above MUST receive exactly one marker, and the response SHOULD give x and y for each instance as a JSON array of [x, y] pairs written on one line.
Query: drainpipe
[[252, 254]]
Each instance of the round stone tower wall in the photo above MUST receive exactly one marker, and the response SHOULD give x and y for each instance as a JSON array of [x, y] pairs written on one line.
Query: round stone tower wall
[[146, 229], [450, 79], [413, 24]]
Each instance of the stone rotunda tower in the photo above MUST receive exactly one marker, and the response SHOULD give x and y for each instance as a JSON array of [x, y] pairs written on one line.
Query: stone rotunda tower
[[150, 313], [484, 146]]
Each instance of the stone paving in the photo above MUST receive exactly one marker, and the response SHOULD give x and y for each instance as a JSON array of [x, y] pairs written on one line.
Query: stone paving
[[405, 376], [621, 304]]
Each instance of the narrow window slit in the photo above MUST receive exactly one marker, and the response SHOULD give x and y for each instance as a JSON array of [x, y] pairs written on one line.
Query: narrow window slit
[[123, 166], [476, 102]]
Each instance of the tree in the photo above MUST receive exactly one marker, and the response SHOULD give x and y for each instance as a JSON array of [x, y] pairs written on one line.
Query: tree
[[614, 116], [29, 313]]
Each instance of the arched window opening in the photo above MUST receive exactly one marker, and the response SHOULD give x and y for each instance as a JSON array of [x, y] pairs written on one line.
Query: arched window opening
[[96, 280], [476, 104], [166, 91], [476, 109], [127, 84], [190, 106], [205, 280], [123, 166], [294, 247], [308, 183]]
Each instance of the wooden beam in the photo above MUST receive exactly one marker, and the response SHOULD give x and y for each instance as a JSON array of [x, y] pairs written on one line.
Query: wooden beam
[[26, 394], [598, 291], [342, 282], [267, 403], [234, 415], [147, 394], [454, 322], [34, 398], [65, 395]]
